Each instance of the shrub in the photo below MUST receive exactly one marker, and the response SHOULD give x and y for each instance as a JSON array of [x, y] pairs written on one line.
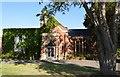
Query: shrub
[[6, 56], [118, 52], [70, 56], [82, 57], [78, 57], [91, 56]]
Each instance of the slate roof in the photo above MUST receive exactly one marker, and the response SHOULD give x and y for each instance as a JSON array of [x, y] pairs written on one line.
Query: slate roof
[[78, 32]]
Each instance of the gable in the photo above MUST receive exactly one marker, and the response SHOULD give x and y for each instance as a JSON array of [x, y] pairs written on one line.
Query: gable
[[60, 29]]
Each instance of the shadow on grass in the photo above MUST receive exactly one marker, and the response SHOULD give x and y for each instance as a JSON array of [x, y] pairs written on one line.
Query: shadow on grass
[[24, 62], [67, 69]]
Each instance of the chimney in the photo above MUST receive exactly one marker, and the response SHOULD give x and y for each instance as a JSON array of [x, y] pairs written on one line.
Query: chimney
[[45, 18], [41, 23]]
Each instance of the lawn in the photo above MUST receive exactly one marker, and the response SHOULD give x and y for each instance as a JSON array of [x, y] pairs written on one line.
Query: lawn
[[22, 69], [46, 68]]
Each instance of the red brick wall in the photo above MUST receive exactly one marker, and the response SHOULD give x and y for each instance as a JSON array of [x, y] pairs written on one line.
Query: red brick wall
[[63, 36], [62, 31]]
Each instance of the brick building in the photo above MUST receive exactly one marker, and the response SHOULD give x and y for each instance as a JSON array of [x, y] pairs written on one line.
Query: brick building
[[62, 41]]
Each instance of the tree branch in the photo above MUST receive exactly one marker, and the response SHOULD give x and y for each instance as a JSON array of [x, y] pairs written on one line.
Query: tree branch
[[89, 12], [116, 22]]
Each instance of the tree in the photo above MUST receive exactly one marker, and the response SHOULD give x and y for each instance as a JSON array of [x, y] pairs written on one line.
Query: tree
[[110, 26], [106, 38], [106, 35], [110, 7], [27, 50], [7, 45]]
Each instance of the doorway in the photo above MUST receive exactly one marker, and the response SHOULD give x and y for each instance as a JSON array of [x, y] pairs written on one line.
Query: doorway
[[51, 52]]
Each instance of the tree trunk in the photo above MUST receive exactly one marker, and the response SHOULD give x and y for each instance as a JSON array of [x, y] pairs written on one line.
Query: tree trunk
[[106, 54], [106, 44]]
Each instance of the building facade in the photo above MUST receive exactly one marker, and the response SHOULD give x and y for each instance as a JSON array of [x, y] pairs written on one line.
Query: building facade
[[54, 43], [62, 41]]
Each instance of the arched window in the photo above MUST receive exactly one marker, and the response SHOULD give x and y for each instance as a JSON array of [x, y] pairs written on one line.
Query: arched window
[[51, 49]]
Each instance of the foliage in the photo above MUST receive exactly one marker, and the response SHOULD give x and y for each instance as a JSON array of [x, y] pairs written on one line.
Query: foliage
[[54, 7], [118, 52], [110, 7], [30, 42], [82, 57], [51, 23], [70, 56], [5, 56], [91, 57]]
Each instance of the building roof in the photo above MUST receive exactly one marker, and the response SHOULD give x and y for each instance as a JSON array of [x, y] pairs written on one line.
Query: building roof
[[78, 32]]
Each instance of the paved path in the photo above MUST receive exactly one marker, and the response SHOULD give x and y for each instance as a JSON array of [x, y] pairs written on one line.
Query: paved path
[[90, 63]]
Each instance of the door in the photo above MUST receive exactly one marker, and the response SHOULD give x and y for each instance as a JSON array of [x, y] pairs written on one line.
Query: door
[[50, 52]]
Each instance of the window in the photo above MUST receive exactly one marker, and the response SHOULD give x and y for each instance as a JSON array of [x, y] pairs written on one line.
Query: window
[[62, 48], [51, 52]]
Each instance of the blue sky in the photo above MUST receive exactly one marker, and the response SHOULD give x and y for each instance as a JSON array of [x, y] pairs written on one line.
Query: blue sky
[[23, 15], [0, 19]]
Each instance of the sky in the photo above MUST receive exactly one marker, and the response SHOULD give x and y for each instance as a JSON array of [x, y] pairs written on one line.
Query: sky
[[0, 19], [23, 15]]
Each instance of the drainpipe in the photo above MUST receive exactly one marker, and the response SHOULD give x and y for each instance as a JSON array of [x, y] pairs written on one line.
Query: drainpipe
[[64, 47], [75, 48]]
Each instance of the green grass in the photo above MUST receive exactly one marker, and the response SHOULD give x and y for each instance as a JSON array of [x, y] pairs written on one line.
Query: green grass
[[22, 69], [45, 68]]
